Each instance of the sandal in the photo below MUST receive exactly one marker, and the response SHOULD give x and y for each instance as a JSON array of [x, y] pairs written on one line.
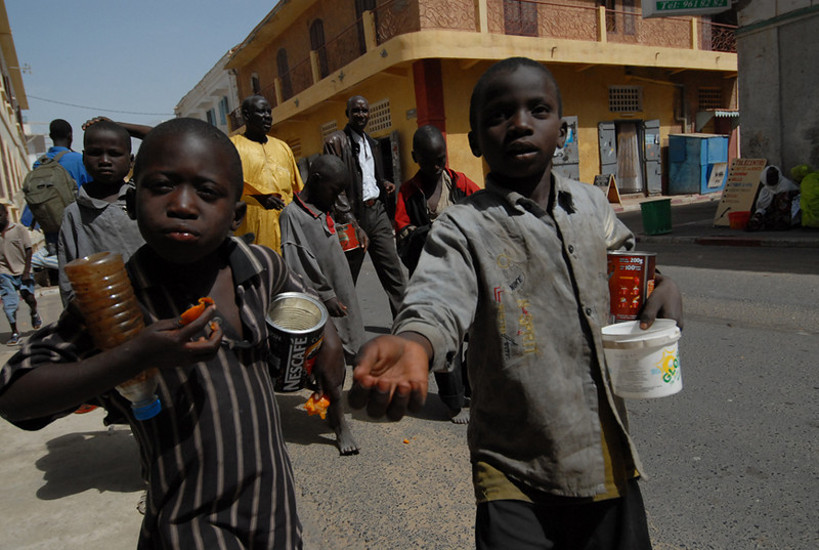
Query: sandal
[[14, 340], [36, 321]]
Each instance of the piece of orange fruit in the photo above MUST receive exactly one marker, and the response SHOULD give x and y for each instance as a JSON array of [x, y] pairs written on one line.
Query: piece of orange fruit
[[193, 312], [317, 406]]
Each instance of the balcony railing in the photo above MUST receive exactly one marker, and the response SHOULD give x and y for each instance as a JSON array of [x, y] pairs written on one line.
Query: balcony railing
[[718, 37], [344, 48]]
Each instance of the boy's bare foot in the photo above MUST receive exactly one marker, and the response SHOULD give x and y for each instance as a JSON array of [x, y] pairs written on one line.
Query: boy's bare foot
[[142, 503], [335, 418], [459, 416], [345, 441]]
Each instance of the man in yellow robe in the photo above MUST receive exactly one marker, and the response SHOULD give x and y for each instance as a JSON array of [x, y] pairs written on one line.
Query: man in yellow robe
[[270, 171]]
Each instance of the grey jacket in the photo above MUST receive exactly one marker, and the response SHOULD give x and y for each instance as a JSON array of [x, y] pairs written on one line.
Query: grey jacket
[[532, 286], [92, 225]]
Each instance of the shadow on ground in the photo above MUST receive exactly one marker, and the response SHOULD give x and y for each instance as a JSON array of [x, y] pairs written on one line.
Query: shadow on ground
[[102, 460]]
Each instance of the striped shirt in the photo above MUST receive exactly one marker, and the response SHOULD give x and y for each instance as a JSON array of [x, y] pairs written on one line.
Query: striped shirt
[[218, 470]]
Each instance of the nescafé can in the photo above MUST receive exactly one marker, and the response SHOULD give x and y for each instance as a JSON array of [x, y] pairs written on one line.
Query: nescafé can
[[296, 326], [631, 281], [347, 237]]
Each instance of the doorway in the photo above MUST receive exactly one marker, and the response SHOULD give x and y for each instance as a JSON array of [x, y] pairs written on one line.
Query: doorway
[[629, 149]]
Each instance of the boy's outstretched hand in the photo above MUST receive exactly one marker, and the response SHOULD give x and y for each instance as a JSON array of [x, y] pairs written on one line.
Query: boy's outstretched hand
[[665, 302], [168, 344], [391, 375]]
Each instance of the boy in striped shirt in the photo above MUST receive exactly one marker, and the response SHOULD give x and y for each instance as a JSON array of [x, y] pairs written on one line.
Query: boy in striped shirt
[[218, 470]]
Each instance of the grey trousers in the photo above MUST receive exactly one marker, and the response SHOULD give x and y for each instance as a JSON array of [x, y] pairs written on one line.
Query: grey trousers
[[374, 221]]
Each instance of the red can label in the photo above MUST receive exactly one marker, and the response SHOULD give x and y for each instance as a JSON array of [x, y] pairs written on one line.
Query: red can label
[[631, 281], [347, 236]]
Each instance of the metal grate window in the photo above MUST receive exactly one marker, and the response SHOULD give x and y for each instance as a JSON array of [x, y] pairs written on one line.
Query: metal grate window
[[295, 146], [709, 98], [380, 118], [625, 99], [328, 128]]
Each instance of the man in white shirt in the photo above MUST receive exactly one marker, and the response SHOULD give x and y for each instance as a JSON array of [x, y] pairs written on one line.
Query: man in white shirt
[[363, 203]]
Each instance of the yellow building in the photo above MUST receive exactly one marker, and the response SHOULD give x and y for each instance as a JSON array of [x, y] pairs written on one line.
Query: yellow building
[[13, 152], [627, 82]]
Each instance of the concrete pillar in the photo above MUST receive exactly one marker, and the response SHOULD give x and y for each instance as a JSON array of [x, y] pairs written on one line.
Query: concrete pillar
[[370, 36], [277, 90], [314, 66], [481, 17], [695, 33], [429, 93]]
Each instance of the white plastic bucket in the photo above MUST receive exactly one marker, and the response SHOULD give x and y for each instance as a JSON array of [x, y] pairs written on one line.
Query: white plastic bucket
[[643, 363]]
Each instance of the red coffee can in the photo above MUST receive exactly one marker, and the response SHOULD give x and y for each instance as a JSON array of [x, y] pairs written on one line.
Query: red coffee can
[[347, 237], [631, 281]]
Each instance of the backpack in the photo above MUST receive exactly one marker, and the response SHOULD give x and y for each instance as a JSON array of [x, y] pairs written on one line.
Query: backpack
[[48, 189]]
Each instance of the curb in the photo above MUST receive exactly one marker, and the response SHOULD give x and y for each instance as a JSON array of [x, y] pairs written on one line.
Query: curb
[[729, 241]]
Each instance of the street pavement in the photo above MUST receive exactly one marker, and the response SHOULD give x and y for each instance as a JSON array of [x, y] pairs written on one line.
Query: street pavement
[[75, 484]]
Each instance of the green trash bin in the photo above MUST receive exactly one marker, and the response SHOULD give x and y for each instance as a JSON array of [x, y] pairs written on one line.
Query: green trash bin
[[656, 216]]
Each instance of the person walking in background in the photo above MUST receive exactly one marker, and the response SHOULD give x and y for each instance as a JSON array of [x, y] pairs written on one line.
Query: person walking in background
[[61, 135], [363, 202], [310, 248], [98, 221], [271, 174], [423, 198], [433, 189], [15, 273]]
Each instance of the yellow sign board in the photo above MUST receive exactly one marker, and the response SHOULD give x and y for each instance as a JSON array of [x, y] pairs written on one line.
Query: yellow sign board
[[740, 188]]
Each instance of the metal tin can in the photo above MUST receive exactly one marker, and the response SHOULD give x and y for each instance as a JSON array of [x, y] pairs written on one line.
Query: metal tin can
[[296, 323], [631, 281]]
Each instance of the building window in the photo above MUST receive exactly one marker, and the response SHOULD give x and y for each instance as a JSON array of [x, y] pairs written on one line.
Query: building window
[[625, 15], [284, 73], [317, 45], [520, 17], [255, 85], [211, 116], [625, 99], [380, 118], [328, 128], [223, 111], [709, 98]]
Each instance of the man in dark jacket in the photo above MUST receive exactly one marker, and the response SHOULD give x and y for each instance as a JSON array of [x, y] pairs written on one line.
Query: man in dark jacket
[[364, 201]]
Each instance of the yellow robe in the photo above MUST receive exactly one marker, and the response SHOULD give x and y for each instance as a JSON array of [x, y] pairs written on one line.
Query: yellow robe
[[268, 168]]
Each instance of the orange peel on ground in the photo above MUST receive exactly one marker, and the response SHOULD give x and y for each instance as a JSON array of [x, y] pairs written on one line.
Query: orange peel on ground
[[317, 406], [192, 313]]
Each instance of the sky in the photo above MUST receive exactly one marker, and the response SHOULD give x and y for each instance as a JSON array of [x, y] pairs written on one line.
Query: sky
[[131, 61]]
